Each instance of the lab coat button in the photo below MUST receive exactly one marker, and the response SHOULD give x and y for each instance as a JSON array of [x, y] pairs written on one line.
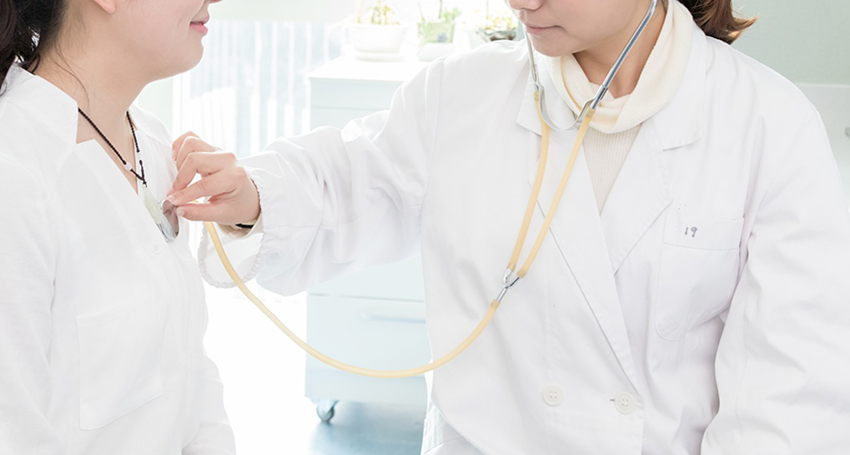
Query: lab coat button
[[553, 396], [625, 403], [157, 249]]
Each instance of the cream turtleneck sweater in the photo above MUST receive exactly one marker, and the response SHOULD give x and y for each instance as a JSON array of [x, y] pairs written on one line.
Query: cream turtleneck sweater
[[618, 120]]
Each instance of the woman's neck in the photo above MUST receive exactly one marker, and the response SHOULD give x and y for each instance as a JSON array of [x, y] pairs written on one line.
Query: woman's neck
[[103, 89], [597, 62]]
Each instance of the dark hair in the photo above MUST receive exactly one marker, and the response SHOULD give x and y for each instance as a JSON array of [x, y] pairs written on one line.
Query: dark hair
[[27, 28], [717, 19]]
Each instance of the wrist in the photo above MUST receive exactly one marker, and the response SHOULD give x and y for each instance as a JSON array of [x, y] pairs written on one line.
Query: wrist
[[253, 222]]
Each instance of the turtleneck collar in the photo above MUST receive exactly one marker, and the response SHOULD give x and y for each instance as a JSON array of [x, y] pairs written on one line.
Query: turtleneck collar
[[658, 82]]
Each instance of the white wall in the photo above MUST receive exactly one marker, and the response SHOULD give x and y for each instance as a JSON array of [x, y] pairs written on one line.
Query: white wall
[[808, 41], [335, 10], [284, 10]]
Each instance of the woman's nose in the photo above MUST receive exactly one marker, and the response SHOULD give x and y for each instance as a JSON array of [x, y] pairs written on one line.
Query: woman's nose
[[525, 4]]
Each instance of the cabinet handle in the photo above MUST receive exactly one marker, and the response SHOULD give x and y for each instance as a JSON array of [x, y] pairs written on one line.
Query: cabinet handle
[[367, 316]]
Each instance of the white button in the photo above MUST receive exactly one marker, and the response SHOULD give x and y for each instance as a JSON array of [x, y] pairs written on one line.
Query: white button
[[553, 396], [157, 249], [625, 403]]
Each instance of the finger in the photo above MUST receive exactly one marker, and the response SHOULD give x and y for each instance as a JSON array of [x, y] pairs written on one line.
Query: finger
[[204, 163], [175, 146], [210, 186], [203, 212], [192, 145]]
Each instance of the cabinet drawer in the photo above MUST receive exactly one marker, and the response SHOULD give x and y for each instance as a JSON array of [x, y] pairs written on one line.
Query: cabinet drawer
[[399, 281], [369, 333]]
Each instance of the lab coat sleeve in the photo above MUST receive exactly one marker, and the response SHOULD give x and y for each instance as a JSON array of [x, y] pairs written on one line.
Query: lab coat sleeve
[[336, 201], [214, 437], [783, 363], [27, 265]]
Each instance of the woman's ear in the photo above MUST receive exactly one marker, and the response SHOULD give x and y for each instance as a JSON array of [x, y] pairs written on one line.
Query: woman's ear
[[108, 6]]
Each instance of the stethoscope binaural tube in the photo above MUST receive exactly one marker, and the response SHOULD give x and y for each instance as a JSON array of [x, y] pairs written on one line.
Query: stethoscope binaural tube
[[606, 84]]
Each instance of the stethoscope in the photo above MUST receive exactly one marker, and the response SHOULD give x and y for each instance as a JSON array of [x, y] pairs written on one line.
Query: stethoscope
[[511, 276]]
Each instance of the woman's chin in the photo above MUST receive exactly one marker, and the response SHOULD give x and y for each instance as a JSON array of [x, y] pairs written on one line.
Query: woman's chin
[[173, 68], [547, 47], [554, 46], [191, 59], [196, 58]]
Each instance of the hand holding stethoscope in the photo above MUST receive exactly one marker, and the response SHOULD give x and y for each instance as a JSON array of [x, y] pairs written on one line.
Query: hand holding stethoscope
[[233, 198]]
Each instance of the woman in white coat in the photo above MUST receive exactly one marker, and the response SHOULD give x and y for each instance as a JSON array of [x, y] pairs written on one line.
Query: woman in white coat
[[101, 317], [693, 293]]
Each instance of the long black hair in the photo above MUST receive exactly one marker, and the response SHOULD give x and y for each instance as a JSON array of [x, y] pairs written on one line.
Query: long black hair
[[27, 28]]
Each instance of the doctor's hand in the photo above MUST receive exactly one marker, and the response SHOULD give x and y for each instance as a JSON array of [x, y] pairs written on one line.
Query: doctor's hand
[[233, 197]]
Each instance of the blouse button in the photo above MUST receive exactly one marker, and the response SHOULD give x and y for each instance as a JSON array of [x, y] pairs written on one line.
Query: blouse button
[[553, 395], [625, 403]]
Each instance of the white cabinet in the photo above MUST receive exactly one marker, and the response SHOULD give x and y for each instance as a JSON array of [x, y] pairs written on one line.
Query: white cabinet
[[375, 318]]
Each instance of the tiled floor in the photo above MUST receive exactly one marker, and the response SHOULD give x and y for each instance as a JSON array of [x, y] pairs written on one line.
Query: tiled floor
[[263, 374]]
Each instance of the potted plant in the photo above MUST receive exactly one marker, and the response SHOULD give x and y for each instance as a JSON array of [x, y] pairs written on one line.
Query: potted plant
[[436, 36], [498, 27], [376, 33]]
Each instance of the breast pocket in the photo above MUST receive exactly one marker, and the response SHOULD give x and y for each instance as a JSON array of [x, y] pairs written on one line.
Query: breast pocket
[[698, 272], [120, 362]]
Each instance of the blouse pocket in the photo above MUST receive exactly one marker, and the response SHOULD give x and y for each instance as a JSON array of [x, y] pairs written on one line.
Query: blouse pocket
[[698, 272], [120, 363]]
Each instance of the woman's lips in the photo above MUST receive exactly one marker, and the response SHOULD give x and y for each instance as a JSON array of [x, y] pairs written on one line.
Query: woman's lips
[[532, 30], [200, 27]]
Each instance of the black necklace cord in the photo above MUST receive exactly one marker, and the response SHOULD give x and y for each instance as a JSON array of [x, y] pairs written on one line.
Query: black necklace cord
[[135, 141]]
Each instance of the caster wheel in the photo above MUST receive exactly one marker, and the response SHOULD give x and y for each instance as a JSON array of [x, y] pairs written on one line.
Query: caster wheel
[[325, 410]]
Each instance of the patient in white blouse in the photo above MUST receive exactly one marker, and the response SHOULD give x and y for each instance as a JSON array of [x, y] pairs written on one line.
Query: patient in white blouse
[[102, 316]]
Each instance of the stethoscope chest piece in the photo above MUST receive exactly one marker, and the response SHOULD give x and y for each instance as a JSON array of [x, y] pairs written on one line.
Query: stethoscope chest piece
[[164, 215]]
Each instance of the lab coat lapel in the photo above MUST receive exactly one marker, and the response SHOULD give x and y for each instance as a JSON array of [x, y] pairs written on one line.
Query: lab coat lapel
[[643, 189], [576, 230], [640, 194]]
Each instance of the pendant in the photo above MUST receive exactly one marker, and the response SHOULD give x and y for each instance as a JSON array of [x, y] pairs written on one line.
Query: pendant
[[163, 215]]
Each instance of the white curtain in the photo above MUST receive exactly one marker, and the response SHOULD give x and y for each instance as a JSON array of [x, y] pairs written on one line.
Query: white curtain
[[251, 86]]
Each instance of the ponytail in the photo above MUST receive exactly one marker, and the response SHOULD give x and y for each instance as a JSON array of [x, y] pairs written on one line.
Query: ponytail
[[716, 19], [9, 44], [27, 28]]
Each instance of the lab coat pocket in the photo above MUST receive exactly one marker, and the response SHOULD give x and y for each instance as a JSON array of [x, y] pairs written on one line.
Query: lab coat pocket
[[698, 272], [120, 362]]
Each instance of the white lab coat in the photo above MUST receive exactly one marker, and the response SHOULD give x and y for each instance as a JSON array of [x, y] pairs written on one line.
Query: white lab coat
[[707, 310], [101, 320]]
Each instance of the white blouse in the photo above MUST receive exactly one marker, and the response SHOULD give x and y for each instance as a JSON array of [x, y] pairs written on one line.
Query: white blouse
[[102, 320]]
